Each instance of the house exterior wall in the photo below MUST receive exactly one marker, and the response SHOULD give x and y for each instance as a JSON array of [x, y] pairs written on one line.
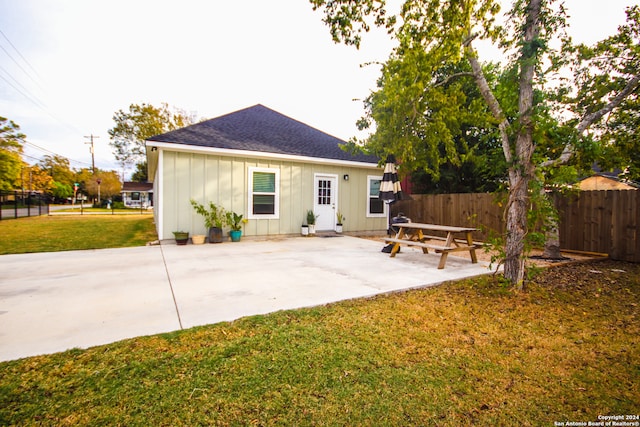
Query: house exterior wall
[[129, 202], [224, 180]]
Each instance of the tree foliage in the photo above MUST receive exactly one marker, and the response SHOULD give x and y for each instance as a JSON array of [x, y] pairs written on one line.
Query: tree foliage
[[431, 33], [443, 132], [140, 175], [58, 168], [36, 178], [603, 72], [109, 186], [142, 121], [11, 147]]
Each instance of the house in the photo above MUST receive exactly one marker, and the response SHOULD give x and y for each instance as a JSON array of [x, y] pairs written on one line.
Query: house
[[266, 166], [137, 194], [606, 181]]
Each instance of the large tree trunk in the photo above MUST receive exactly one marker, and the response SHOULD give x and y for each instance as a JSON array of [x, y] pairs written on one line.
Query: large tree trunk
[[519, 157], [521, 170], [517, 208]]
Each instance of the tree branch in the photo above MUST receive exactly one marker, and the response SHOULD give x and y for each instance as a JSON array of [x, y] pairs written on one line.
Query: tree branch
[[589, 119], [489, 97], [453, 76]]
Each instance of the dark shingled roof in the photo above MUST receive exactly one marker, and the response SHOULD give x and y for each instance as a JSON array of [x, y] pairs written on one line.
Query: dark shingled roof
[[137, 186], [261, 129]]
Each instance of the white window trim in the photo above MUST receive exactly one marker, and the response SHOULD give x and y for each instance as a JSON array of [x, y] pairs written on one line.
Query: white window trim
[[276, 209], [385, 206]]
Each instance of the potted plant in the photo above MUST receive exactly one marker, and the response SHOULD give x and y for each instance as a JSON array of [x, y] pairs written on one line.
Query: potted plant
[[235, 221], [182, 237], [214, 219], [340, 219], [311, 221]]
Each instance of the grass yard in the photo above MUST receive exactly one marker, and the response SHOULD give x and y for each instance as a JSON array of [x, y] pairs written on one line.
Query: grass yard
[[74, 232], [461, 354]]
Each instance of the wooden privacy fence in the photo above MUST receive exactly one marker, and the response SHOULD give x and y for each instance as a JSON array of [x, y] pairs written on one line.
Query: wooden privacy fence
[[590, 221]]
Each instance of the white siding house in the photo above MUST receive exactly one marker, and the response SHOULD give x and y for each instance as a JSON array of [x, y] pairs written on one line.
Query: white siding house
[[268, 167]]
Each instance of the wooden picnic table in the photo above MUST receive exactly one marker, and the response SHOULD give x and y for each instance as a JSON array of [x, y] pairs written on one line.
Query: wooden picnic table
[[417, 234]]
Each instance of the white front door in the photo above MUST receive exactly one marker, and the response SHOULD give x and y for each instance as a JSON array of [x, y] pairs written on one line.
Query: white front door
[[325, 201]]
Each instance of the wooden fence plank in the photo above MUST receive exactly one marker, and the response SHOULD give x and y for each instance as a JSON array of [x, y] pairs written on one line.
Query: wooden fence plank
[[592, 221]]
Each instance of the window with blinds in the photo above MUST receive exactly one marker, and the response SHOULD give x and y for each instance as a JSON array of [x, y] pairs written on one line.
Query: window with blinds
[[375, 206], [263, 193]]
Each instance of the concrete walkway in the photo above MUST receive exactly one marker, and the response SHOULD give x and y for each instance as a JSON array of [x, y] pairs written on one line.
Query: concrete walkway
[[51, 302]]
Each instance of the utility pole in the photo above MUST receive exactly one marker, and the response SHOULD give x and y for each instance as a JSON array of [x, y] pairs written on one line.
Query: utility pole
[[93, 159]]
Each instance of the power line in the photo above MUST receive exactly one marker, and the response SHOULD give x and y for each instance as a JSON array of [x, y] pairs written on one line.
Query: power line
[[22, 93], [55, 154], [22, 57], [31, 97], [40, 105]]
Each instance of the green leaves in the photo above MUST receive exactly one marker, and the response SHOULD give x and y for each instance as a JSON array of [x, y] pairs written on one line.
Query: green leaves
[[140, 123], [11, 140], [348, 19]]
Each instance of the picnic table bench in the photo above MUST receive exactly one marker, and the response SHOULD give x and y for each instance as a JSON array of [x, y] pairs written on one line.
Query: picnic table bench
[[413, 234]]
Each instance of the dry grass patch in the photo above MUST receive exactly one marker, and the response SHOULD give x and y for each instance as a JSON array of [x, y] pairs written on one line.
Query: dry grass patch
[[467, 353]]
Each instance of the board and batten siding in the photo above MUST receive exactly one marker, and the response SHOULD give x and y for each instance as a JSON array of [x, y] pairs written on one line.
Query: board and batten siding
[[224, 180]]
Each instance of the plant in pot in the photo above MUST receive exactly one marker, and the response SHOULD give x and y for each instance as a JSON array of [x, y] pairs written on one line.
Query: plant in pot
[[340, 219], [182, 237], [214, 219], [311, 221], [235, 221]]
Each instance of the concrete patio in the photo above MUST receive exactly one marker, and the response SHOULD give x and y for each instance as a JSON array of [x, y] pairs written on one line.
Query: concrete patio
[[51, 302]]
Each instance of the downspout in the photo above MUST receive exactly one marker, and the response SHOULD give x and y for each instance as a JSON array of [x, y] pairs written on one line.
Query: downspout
[[159, 201]]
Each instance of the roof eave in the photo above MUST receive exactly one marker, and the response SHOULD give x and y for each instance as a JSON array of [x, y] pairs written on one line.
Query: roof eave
[[257, 154]]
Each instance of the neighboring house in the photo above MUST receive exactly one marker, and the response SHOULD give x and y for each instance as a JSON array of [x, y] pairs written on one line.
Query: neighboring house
[[606, 181], [137, 194], [266, 166]]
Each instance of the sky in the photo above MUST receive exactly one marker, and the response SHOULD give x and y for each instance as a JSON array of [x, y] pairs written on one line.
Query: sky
[[66, 66]]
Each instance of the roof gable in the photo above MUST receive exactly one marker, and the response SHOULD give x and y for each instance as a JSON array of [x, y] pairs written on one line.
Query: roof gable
[[260, 129]]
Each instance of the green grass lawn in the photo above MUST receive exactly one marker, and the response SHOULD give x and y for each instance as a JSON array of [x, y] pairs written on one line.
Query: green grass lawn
[[461, 354], [74, 232]]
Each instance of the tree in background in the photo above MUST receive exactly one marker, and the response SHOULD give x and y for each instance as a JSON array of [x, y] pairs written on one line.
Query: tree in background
[[140, 175], [110, 185], [11, 141], [34, 178], [141, 122], [444, 133], [58, 168], [61, 192], [446, 31], [611, 66]]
